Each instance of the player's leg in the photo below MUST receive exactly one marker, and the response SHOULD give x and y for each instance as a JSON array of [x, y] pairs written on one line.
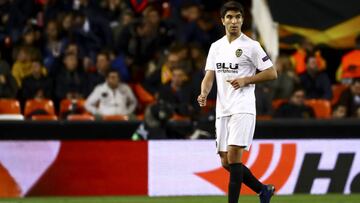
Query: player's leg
[[248, 178], [241, 129], [236, 172], [222, 134], [224, 160]]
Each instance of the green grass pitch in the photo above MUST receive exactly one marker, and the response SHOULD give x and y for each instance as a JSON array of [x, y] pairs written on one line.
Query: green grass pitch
[[190, 199]]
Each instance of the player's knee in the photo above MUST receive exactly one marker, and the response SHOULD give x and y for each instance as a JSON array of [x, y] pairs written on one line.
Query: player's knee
[[233, 158], [235, 154], [225, 164]]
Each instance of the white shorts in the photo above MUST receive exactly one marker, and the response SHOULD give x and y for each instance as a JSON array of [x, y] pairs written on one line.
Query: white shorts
[[237, 129]]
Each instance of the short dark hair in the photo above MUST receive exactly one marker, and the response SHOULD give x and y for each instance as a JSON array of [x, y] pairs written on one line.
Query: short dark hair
[[104, 53], [112, 70], [231, 6], [298, 88]]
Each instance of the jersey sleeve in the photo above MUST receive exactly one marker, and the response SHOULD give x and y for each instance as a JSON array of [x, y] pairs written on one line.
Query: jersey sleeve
[[210, 61], [260, 59]]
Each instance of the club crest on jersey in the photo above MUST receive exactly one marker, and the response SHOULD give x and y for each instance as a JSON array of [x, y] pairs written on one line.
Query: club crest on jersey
[[238, 52]]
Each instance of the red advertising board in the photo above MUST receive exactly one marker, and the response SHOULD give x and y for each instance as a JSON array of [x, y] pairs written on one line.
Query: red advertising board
[[178, 167], [79, 168]]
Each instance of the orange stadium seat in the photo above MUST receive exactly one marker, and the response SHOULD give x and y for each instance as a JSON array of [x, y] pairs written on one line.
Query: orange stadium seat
[[80, 117], [140, 116], [263, 117], [276, 103], [43, 106], [177, 117], [321, 107], [337, 90], [65, 105], [9, 106], [144, 97], [44, 118], [115, 118]]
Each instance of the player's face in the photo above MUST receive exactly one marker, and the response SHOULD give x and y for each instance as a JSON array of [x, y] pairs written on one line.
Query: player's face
[[232, 21]]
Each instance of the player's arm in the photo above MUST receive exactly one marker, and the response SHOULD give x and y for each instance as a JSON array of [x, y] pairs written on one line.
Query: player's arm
[[206, 86], [265, 75]]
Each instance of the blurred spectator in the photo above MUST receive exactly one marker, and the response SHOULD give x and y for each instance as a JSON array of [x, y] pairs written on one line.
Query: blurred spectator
[[204, 31], [119, 63], [53, 45], [349, 101], [8, 86], [56, 8], [70, 82], [112, 97], [23, 62], [263, 94], [5, 29], [19, 14], [299, 57], [66, 22], [162, 74], [4, 20], [113, 10], [31, 36], [174, 98], [126, 18], [162, 29], [92, 33], [36, 85], [139, 44], [197, 56], [139, 5], [315, 82], [295, 107], [283, 87], [57, 65], [339, 111], [177, 93], [350, 64], [102, 67], [89, 7], [190, 12], [198, 60], [172, 60]]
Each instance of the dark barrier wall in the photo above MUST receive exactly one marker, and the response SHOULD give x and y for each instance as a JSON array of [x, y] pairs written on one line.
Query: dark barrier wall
[[274, 129]]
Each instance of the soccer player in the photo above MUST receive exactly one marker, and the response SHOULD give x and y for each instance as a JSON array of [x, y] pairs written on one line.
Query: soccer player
[[234, 60]]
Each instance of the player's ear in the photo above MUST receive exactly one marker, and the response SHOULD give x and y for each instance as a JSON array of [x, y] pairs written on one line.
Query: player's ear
[[223, 21]]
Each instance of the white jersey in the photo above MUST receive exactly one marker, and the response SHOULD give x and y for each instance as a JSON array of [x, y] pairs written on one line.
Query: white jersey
[[237, 59]]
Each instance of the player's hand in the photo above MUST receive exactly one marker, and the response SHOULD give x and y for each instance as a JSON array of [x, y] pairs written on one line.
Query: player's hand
[[202, 100], [238, 82]]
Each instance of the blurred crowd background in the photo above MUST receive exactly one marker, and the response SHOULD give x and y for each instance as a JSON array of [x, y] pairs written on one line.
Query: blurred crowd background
[[135, 59]]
